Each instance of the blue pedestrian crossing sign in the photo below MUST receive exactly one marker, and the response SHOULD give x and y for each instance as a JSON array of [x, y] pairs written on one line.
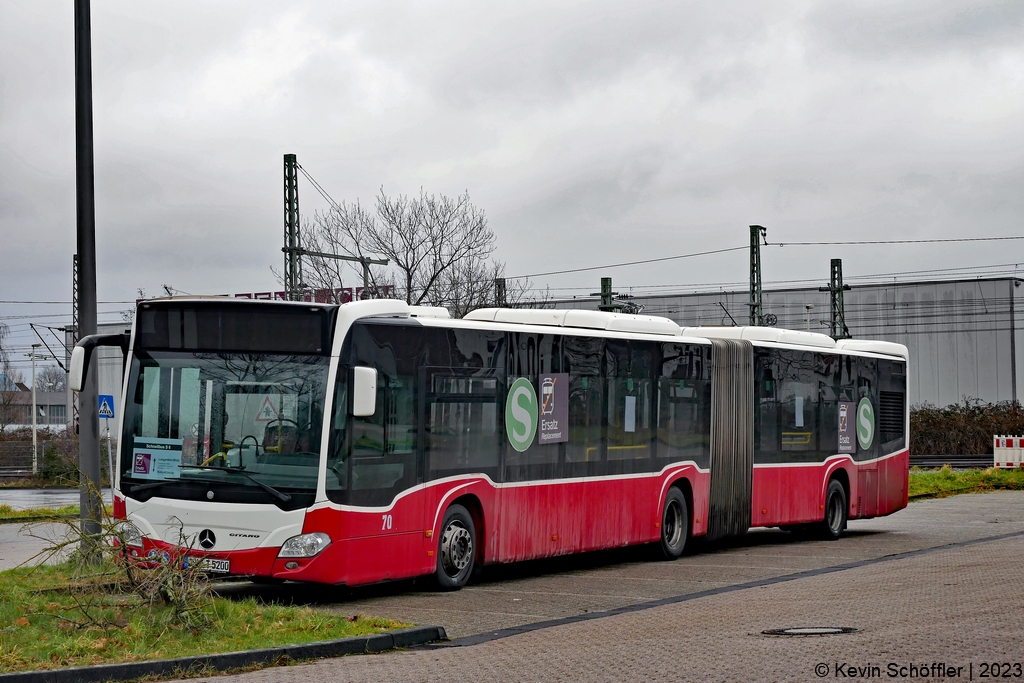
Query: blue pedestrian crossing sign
[[106, 406]]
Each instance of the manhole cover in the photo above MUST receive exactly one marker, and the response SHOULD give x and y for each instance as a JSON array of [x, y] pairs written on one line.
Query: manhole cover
[[811, 631]]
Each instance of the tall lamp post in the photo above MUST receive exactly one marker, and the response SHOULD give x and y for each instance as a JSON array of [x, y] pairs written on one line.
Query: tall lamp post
[[88, 434], [35, 407], [35, 411]]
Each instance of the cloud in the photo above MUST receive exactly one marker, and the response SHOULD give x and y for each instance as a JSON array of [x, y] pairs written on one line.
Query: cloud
[[590, 132]]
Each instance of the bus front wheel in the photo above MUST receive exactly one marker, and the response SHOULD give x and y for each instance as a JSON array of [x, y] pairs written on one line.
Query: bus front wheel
[[675, 524], [456, 549]]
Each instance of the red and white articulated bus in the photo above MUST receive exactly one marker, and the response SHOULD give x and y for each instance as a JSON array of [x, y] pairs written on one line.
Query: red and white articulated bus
[[375, 441]]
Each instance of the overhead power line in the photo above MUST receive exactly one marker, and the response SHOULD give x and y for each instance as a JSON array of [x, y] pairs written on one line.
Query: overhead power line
[[67, 303], [770, 244], [627, 263], [927, 241], [317, 186]]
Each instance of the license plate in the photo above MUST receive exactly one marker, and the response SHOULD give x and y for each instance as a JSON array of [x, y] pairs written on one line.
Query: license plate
[[216, 566]]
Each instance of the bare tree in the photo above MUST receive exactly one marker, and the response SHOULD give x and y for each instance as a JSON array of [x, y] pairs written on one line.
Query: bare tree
[[518, 295], [346, 230], [438, 247], [51, 378], [468, 286]]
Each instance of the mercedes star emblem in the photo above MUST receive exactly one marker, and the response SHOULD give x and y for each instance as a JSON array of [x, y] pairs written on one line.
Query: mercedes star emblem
[[207, 539]]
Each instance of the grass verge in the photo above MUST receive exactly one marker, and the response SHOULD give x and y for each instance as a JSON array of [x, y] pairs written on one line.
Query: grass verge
[[50, 618], [9, 514], [948, 482]]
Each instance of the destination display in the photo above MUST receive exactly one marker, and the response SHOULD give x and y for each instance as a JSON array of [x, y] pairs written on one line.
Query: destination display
[[154, 458]]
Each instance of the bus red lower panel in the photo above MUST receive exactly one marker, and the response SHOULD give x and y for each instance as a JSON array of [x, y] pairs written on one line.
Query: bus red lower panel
[[787, 495], [539, 521], [893, 482], [796, 494], [620, 512]]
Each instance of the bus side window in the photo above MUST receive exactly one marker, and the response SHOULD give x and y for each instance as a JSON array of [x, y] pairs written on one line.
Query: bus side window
[[337, 460], [533, 355], [866, 375], [584, 453], [462, 427], [368, 432], [798, 403], [766, 406], [683, 408], [827, 370], [628, 395]]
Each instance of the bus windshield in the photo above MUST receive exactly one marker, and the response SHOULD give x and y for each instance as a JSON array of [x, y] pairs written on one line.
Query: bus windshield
[[234, 427]]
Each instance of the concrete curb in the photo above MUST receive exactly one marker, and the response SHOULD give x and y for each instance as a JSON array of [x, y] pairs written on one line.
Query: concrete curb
[[37, 518], [407, 637]]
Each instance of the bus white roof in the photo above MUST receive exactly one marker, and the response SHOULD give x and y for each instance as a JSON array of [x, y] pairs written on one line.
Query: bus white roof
[[765, 334], [797, 338], [428, 312], [872, 346], [594, 320]]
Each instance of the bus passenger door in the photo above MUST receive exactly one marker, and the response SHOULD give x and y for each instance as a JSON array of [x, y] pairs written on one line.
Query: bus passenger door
[[459, 433], [386, 540]]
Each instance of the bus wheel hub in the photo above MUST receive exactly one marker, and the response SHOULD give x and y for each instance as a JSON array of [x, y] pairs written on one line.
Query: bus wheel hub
[[456, 548]]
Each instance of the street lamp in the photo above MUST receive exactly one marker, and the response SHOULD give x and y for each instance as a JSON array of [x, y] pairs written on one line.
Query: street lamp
[[35, 438], [35, 407]]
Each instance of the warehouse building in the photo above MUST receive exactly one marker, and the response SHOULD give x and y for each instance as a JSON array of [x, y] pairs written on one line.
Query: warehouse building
[[964, 336]]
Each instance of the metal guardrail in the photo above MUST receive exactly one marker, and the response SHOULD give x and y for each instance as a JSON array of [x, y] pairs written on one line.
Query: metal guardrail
[[16, 455], [956, 461], [14, 473]]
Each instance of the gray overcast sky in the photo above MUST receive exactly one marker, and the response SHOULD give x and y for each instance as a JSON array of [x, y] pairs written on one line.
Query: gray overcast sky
[[591, 133]]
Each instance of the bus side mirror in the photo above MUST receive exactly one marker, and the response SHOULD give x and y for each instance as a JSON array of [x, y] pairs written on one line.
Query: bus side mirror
[[364, 391], [81, 355], [79, 361]]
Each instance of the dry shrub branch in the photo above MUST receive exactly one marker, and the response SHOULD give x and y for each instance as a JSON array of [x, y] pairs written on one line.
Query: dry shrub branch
[[963, 428], [107, 580]]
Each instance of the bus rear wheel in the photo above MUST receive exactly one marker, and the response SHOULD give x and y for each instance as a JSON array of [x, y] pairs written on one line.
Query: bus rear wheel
[[835, 512], [456, 549], [675, 524]]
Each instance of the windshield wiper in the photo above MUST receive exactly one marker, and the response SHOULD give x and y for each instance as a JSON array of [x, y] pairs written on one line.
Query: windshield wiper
[[283, 497], [151, 485]]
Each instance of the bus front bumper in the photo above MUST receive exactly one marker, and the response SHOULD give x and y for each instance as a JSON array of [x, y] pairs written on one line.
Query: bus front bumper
[[256, 562]]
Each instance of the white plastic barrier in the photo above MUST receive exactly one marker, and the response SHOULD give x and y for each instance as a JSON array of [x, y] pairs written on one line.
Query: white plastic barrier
[[1007, 450]]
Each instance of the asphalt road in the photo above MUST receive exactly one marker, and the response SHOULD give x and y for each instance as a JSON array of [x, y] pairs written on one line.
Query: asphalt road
[[947, 615], [515, 595], [934, 586], [24, 499]]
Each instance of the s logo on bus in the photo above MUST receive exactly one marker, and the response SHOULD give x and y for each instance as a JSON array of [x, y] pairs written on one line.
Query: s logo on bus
[[865, 424], [521, 414]]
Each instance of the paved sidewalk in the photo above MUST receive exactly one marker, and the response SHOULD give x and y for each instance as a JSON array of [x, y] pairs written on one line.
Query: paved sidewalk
[[513, 595], [960, 607], [21, 543]]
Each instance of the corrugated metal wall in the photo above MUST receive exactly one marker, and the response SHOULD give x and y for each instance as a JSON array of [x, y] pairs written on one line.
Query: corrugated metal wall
[[964, 336]]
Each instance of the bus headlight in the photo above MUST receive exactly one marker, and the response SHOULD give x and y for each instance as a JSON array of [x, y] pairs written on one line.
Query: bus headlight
[[306, 545], [130, 534]]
